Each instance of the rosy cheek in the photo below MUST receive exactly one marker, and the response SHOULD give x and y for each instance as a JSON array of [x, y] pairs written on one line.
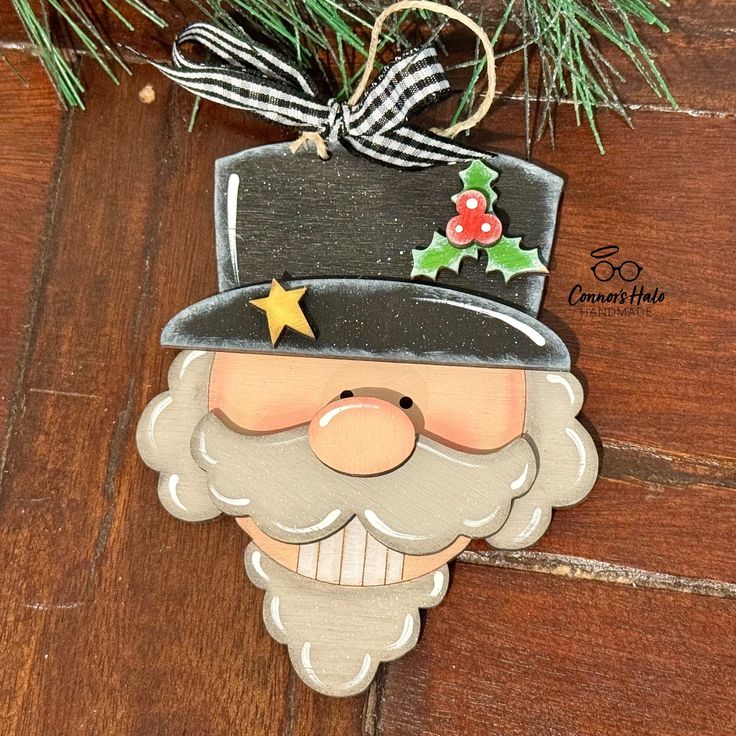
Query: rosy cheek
[[262, 414], [239, 388], [493, 419], [473, 435]]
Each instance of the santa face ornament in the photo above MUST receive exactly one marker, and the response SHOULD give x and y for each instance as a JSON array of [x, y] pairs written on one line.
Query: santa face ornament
[[363, 430], [369, 390]]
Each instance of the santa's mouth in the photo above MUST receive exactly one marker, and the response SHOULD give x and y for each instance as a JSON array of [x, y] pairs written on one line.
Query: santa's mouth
[[350, 556]]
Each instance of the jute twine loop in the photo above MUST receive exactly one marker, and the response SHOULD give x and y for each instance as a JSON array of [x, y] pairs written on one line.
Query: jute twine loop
[[311, 136], [483, 108], [453, 130]]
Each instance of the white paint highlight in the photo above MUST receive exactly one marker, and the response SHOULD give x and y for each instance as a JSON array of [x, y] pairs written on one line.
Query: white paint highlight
[[193, 355], [255, 558], [329, 519], [156, 413], [556, 378], [530, 332], [276, 614], [439, 583], [475, 523], [202, 449], [374, 520], [224, 499], [171, 487], [405, 633], [362, 672], [519, 482], [528, 530], [580, 447], [325, 419], [233, 185]]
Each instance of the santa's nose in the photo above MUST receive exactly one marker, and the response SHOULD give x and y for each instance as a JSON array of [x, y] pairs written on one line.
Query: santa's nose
[[362, 435]]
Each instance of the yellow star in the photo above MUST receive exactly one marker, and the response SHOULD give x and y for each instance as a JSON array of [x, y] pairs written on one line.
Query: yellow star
[[283, 310]]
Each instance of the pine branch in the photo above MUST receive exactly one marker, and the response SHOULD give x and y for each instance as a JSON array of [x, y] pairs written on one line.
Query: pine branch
[[86, 28], [570, 39]]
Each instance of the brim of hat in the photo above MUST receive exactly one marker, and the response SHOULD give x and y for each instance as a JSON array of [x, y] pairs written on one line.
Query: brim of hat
[[375, 319]]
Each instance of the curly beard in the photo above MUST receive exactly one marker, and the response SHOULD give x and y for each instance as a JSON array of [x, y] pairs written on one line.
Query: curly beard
[[564, 466], [338, 635]]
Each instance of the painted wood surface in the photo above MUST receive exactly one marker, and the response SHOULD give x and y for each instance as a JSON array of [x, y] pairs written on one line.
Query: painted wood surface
[[349, 219], [472, 408], [354, 561], [283, 311], [610, 658]]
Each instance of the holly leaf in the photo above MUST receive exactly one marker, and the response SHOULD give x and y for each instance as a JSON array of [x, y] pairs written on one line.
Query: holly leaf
[[480, 177], [511, 260], [439, 254]]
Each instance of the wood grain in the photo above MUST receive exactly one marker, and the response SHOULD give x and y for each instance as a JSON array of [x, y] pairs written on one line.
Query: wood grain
[[121, 620], [517, 653], [677, 530], [29, 140]]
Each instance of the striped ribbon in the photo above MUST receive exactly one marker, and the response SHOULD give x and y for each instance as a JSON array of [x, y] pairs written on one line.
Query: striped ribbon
[[251, 77]]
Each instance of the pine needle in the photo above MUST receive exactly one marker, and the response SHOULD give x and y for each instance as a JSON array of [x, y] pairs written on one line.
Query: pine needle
[[569, 38], [86, 28]]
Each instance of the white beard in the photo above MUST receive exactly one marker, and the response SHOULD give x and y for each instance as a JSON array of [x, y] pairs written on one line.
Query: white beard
[[338, 635]]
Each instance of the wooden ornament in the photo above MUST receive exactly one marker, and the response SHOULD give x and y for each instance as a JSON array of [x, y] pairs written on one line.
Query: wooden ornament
[[362, 447]]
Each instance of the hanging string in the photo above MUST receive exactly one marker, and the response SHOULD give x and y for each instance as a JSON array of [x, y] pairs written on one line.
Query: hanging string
[[451, 131]]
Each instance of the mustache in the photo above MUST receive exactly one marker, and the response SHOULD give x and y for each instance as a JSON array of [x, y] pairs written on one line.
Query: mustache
[[440, 493]]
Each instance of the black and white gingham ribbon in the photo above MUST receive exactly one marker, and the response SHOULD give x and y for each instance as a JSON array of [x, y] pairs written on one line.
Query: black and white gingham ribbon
[[254, 78]]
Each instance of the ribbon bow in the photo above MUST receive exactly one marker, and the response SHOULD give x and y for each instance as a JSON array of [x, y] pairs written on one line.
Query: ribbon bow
[[256, 79]]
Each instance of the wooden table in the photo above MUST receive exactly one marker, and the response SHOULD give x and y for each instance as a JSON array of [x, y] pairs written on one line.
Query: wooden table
[[118, 619]]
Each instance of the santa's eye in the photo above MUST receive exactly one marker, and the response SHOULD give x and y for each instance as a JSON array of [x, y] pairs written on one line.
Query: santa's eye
[[405, 402], [346, 394]]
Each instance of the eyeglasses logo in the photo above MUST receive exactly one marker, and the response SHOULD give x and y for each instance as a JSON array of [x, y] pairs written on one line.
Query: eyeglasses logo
[[604, 269], [616, 298]]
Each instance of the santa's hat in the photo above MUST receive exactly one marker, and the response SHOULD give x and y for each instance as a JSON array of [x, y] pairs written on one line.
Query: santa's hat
[[345, 229]]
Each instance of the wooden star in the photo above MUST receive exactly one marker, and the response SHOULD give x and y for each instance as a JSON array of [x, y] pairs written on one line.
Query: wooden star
[[283, 310]]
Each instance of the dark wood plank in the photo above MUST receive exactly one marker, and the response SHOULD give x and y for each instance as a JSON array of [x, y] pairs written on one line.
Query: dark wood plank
[[58, 491], [680, 531], [518, 653], [29, 139]]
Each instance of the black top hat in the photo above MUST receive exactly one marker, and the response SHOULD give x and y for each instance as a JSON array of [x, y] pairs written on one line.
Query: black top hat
[[345, 229]]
